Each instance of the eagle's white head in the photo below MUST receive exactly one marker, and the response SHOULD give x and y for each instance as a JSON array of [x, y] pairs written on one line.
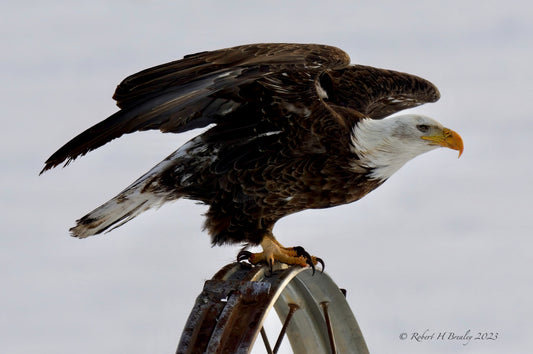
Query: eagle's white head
[[385, 145]]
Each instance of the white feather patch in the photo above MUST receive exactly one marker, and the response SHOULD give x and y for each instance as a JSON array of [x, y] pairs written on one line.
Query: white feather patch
[[385, 145], [321, 92]]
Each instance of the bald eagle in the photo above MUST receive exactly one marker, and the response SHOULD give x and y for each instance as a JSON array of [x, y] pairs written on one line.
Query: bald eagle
[[290, 127]]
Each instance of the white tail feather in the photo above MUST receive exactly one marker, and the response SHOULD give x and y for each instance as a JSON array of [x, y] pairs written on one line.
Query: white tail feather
[[141, 195], [116, 212], [131, 202]]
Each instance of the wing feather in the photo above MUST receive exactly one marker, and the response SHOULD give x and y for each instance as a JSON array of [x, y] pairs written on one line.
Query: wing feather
[[195, 91], [376, 93]]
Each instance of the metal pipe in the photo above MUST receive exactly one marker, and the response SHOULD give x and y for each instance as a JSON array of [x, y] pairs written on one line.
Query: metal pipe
[[292, 309], [265, 340], [325, 305]]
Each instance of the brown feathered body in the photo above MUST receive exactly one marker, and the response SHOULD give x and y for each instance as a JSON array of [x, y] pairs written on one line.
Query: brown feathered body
[[280, 137]]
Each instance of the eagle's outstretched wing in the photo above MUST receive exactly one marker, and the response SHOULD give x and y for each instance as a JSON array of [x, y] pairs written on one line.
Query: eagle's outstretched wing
[[376, 93], [233, 87]]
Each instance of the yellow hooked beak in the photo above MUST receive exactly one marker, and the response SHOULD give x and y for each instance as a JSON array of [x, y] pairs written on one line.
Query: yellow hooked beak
[[448, 138]]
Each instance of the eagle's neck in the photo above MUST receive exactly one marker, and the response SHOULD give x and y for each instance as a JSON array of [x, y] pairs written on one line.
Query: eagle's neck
[[379, 149]]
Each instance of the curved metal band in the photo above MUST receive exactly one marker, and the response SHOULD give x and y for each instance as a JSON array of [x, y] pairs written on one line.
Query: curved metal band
[[228, 315]]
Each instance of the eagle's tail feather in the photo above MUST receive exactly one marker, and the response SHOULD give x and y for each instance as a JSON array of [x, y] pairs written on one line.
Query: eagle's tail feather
[[116, 212]]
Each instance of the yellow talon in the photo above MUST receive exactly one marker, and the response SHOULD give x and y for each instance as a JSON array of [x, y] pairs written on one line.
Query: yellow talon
[[273, 251]]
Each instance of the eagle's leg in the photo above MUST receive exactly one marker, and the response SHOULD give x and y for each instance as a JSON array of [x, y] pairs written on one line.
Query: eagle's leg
[[274, 251]]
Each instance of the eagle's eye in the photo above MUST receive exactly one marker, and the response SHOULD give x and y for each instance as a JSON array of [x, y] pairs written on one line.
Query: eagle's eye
[[423, 128]]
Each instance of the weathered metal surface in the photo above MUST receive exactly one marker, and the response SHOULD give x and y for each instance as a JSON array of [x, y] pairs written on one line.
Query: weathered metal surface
[[309, 331], [229, 313]]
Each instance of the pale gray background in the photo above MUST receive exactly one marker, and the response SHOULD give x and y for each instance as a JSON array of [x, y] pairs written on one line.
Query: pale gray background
[[444, 245]]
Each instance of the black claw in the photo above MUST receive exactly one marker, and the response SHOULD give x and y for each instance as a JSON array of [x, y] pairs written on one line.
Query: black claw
[[310, 262], [300, 251], [319, 260], [243, 256], [271, 265]]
